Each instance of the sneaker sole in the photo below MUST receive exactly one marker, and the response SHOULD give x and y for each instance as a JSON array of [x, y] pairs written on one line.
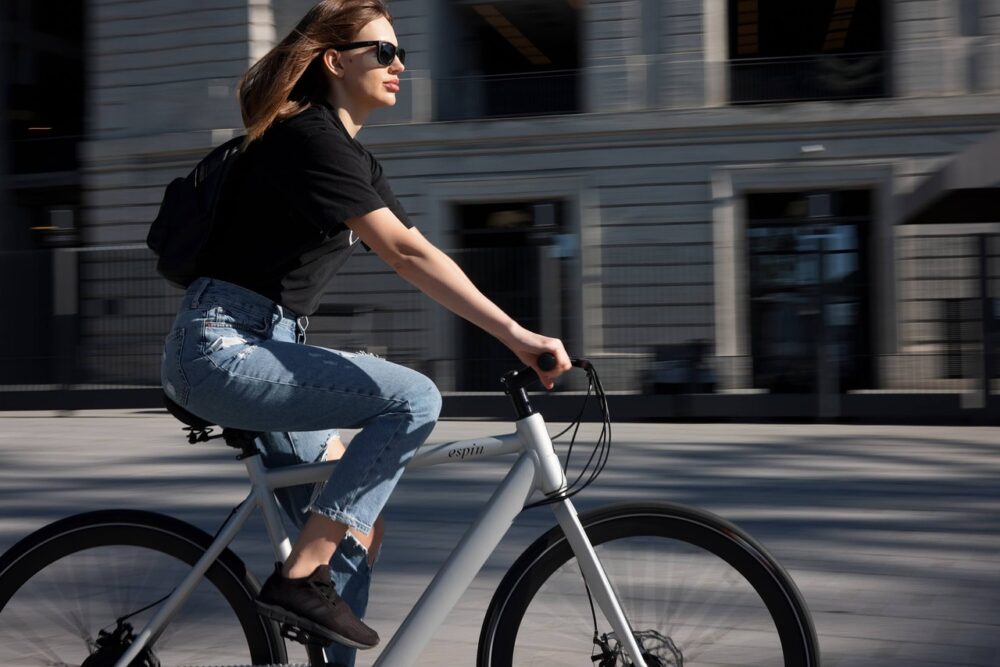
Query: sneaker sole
[[282, 615]]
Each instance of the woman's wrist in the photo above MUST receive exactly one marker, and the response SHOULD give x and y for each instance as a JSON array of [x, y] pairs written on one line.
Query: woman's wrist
[[509, 333]]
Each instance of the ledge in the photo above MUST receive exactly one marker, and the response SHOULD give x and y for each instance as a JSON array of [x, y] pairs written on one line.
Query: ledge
[[883, 408], [887, 116]]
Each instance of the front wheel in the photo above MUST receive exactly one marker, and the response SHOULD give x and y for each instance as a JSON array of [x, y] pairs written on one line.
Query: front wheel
[[76, 592], [696, 590]]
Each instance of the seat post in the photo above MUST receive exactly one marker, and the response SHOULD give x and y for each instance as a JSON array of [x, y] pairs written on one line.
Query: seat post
[[264, 497], [245, 441]]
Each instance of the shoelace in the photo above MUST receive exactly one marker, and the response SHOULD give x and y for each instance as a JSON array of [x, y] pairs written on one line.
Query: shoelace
[[327, 590]]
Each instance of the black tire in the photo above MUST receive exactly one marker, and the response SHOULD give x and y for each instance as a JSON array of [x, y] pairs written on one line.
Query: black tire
[[556, 627], [51, 607]]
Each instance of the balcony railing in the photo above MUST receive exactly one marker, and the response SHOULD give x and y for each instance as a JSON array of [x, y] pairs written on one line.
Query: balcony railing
[[839, 76], [501, 95]]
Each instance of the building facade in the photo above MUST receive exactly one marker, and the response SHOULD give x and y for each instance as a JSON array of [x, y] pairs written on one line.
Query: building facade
[[695, 192]]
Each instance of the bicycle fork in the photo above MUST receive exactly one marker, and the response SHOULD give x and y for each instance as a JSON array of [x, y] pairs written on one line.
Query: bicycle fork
[[551, 480], [596, 579]]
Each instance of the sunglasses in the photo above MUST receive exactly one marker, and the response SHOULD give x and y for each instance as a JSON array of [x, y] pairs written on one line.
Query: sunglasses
[[386, 51]]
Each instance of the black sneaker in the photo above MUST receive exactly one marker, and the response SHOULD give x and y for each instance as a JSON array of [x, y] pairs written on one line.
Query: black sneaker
[[312, 604]]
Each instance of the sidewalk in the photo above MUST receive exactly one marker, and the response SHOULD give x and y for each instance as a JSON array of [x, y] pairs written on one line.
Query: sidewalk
[[892, 533]]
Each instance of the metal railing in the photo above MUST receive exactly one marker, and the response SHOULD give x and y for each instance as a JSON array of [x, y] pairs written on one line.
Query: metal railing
[[96, 318], [833, 76], [504, 95], [949, 324]]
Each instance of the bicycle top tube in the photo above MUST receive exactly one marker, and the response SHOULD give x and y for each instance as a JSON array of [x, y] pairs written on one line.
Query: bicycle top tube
[[457, 451]]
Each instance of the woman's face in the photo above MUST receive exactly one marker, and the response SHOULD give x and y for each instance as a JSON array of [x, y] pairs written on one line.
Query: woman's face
[[364, 81]]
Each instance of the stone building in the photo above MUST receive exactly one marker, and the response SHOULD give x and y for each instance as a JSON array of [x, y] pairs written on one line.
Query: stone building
[[678, 188]]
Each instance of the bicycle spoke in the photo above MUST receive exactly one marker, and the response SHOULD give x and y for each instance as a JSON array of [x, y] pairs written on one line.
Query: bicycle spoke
[[57, 616], [679, 600]]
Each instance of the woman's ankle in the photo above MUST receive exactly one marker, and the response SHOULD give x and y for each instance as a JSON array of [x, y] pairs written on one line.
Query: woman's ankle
[[299, 569]]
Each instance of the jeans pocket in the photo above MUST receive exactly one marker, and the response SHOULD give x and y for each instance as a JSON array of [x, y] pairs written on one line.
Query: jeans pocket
[[226, 347], [232, 317], [172, 376]]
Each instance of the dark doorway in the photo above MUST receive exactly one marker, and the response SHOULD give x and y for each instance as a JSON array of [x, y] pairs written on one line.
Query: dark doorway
[[809, 291], [511, 251]]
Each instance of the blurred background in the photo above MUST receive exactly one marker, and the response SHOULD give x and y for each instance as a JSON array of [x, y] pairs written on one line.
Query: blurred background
[[736, 208]]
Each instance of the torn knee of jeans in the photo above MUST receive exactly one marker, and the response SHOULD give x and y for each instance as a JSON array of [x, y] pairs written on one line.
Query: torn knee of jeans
[[366, 353]]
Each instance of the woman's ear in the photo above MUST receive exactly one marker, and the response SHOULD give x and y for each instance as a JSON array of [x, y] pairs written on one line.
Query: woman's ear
[[331, 62]]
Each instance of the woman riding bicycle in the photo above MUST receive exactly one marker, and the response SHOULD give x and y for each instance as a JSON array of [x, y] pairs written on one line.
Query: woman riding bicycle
[[303, 193]]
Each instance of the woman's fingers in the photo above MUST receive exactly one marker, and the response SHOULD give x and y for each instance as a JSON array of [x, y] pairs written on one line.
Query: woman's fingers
[[555, 348]]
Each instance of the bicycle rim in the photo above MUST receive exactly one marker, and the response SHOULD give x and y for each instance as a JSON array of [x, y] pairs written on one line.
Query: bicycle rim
[[695, 594], [59, 596]]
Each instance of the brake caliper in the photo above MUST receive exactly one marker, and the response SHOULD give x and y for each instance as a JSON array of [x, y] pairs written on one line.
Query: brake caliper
[[111, 645], [657, 650]]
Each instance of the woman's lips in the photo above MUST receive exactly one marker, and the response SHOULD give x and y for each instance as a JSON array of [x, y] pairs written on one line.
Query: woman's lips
[[393, 86]]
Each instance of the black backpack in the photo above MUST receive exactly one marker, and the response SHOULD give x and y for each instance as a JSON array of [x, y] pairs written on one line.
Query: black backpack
[[187, 215]]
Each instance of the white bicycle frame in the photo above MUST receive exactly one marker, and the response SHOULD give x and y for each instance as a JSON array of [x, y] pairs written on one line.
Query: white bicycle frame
[[537, 468]]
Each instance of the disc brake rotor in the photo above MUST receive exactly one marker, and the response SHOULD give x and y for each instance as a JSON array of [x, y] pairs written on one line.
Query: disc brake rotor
[[657, 650]]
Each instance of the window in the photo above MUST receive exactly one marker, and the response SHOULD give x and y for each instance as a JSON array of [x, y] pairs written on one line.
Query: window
[[44, 116], [510, 58], [785, 50], [968, 18], [46, 93]]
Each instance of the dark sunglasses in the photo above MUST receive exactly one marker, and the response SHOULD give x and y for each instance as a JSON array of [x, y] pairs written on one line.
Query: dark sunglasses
[[386, 51]]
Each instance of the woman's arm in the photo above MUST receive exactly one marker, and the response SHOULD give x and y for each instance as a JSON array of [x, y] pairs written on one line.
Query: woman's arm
[[422, 264]]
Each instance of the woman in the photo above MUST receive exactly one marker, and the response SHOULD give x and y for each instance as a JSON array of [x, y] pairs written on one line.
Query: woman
[[303, 193]]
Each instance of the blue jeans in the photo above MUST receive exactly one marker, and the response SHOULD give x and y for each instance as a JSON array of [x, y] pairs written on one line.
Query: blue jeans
[[351, 566], [237, 359]]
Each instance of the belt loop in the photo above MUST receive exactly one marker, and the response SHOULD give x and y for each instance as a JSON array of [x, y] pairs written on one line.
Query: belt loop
[[276, 316], [195, 301], [301, 333]]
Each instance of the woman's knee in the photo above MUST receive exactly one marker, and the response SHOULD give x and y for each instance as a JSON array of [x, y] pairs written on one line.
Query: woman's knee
[[423, 399]]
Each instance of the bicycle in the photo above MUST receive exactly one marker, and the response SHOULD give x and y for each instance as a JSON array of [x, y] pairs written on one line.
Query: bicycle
[[640, 584]]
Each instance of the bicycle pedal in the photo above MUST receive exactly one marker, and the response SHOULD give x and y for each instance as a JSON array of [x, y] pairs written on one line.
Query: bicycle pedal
[[301, 636]]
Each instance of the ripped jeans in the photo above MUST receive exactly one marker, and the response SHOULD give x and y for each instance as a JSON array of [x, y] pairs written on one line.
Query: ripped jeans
[[351, 566], [235, 358]]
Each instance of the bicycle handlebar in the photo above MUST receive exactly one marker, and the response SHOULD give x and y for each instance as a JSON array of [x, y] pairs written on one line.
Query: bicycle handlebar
[[514, 381], [546, 361]]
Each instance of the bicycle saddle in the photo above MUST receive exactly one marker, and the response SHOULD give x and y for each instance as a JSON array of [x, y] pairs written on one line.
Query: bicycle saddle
[[183, 415]]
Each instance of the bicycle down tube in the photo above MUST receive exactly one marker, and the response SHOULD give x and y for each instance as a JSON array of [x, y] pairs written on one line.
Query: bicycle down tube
[[537, 467]]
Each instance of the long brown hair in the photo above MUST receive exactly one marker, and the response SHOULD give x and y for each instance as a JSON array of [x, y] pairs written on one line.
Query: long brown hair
[[285, 81]]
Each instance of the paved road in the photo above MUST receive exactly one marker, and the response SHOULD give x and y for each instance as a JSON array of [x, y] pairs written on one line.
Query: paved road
[[892, 533]]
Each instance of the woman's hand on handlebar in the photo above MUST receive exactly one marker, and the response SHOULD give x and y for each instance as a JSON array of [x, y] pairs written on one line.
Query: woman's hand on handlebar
[[528, 346]]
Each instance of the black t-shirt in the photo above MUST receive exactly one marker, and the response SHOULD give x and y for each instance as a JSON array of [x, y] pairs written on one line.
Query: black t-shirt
[[281, 229]]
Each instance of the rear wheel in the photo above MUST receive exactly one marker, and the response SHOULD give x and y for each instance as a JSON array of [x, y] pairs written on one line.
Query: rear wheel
[[695, 588], [75, 592]]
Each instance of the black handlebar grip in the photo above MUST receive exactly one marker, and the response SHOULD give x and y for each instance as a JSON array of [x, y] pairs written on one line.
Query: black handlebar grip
[[546, 361]]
